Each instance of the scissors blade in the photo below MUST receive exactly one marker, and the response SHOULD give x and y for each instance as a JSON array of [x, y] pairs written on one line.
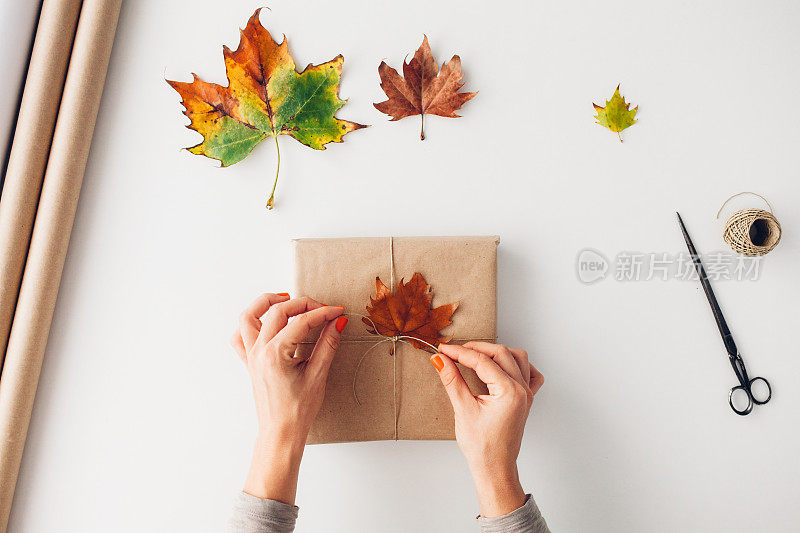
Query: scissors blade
[[727, 338]]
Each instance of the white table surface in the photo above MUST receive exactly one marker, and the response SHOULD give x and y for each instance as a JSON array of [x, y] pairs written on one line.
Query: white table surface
[[144, 420]]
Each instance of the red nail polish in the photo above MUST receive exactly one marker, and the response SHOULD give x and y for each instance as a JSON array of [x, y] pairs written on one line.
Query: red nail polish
[[341, 322], [437, 362], [284, 294]]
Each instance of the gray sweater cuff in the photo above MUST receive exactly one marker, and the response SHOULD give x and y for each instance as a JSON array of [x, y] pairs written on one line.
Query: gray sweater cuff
[[526, 519], [254, 515]]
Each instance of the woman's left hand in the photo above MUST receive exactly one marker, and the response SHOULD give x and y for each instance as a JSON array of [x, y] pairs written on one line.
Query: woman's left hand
[[288, 390]]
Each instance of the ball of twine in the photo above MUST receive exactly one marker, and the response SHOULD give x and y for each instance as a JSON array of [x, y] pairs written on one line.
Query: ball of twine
[[751, 232]]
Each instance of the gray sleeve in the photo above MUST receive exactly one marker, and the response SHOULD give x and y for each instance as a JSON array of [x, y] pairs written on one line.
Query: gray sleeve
[[526, 519], [254, 515]]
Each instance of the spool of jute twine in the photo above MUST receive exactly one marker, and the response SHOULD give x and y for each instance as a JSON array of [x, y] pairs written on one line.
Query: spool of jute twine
[[751, 232]]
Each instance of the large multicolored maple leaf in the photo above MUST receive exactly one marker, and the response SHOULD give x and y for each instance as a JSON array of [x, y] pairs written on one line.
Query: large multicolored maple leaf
[[265, 97], [408, 313], [423, 88]]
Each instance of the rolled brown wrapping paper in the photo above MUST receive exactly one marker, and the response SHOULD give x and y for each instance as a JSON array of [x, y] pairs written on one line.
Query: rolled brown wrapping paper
[[399, 396], [32, 137], [54, 218]]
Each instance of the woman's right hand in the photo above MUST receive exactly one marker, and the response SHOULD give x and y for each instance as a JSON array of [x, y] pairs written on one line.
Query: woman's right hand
[[288, 389], [489, 427]]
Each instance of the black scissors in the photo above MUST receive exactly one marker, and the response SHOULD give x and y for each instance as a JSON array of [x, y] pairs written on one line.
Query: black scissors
[[745, 385]]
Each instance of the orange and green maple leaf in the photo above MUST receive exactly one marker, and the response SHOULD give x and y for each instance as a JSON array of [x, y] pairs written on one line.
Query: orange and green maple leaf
[[265, 97]]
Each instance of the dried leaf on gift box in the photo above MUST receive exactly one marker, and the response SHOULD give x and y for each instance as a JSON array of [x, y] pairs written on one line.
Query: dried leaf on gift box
[[408, 313], [615, 115], [265, 97], [423, 88]]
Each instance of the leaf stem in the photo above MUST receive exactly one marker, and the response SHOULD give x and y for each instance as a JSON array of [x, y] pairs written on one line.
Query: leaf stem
[[271, 201], [421, 126], [620, 137]]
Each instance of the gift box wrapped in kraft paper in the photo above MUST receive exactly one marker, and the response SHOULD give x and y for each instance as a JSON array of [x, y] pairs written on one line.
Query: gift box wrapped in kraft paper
[[372, 393]]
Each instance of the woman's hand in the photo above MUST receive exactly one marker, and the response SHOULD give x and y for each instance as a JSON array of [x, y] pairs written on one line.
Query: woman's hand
[[288, 390], [489, 427]]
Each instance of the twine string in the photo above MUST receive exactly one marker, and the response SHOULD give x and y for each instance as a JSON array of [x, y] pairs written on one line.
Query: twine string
[[394, 340], [394, 387], [391, 263], [394, 343], [739, 194]]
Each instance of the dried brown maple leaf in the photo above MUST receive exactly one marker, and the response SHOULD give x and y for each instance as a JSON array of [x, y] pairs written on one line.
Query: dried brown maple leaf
[[423, 88], [408, 313]]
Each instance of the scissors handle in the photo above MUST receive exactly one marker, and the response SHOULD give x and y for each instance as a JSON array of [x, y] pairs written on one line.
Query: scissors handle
[[747, 389], [748, 407], [769, 391]]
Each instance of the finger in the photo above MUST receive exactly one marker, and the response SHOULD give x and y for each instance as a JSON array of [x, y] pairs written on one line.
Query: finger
[[455, 386], [536, 380], [295, 332], [238, 345], [278, 315], [487, 370], [502, 356], [325, 349], [522, 361], [249, 323]]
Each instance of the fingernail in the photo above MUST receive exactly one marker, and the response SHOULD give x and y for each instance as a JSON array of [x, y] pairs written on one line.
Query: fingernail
[[284, 294], [437, 362], [341, 322]]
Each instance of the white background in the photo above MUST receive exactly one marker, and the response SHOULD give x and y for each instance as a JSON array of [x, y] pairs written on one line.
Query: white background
[[17, 27], [144, 420]]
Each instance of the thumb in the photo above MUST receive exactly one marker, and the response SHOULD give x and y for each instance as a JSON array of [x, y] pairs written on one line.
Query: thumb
[[325, 349], [454, 384]]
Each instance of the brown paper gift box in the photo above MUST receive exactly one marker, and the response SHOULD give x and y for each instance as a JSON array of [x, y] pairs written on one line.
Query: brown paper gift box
[[400, 396]]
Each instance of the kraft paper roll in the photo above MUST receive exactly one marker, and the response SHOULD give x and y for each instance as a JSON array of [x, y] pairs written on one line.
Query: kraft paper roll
[[28, 158], [54, 218]]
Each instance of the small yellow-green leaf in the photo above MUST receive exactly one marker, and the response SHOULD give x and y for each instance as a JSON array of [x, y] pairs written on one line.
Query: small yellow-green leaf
[[615, 115]]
